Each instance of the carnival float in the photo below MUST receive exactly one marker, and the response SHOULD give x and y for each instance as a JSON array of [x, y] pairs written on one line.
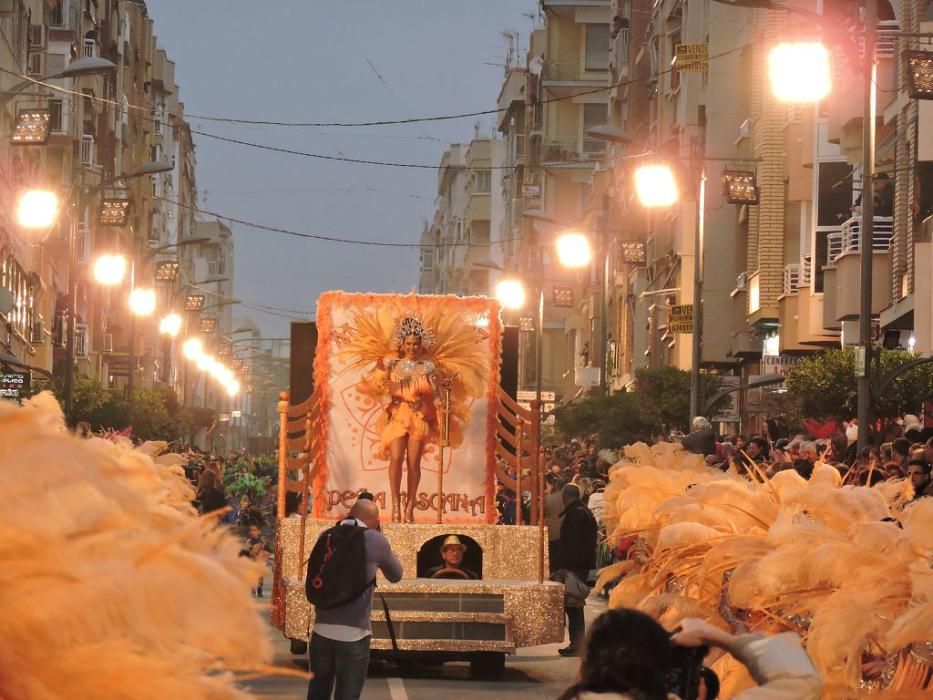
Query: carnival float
[[410, 383]]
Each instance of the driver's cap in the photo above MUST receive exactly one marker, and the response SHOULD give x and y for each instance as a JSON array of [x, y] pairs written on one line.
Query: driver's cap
[[453, 541]]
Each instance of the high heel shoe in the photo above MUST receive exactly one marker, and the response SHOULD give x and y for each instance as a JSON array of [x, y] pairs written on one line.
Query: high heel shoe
[[410, 514], [396, 511]]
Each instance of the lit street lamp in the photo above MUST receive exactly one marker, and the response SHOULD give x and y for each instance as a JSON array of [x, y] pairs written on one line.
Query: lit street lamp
[[511, 294], [656, 185], [170, 325], [110, 269], [142, 301], [573, 249], [800, 71], [37, 209], [193, 348]]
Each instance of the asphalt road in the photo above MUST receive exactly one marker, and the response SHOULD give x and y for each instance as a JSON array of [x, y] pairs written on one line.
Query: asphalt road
[[538, 673]]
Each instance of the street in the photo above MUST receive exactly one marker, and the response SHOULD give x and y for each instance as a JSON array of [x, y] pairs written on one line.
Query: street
[[539, 673]]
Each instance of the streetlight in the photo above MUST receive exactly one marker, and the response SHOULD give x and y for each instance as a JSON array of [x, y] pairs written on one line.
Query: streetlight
[[170, 325], [193, 348], [511, 293], [37, 209], [142, 301], [573, 249], [110, 269], [800, 71], [656, 185]]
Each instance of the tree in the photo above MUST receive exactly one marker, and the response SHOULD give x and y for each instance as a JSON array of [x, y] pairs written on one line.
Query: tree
[[616, 419], [825, 386], [659, 404]]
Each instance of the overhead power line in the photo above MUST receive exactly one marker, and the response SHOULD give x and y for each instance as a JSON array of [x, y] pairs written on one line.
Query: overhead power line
[[373, 122], [321, 237]]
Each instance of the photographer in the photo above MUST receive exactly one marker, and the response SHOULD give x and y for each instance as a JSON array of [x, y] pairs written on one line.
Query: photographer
[[628, 655]]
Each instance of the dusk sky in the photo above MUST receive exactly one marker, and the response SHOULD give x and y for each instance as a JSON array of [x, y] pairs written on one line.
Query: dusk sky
[[317, 60]]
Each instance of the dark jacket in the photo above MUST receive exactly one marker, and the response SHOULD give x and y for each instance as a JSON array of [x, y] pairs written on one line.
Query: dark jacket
[[211, 499], [576, 548], [701, 442]]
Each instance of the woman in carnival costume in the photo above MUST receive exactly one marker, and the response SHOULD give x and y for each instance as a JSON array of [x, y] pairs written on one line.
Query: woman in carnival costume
[[417, 357]]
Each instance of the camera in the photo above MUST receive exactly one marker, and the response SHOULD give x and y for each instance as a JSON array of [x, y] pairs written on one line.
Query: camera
[[683, 680]]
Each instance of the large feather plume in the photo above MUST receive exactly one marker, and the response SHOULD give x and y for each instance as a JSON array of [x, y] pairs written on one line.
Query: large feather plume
[[111, 586], [850, 568]]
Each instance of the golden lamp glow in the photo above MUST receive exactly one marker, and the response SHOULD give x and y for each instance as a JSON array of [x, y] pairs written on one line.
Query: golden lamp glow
[[656, 185], [800, 71], [233, 388], [109, 270], [205, 362], [37, 209], [193, 348], [511, 293], [170, 325], [573, 249], [143, 301]]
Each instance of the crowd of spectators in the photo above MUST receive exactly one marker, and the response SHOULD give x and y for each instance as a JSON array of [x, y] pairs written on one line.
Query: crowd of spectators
[[906, 453]]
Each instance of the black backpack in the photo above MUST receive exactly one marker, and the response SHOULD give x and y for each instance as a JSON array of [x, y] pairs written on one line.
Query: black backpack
[[337, 572]]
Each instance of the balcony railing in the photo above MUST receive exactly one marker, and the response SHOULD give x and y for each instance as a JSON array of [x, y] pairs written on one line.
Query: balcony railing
[[561, 151], [833, 246], [883, 233], [806, 271], [791, 278]]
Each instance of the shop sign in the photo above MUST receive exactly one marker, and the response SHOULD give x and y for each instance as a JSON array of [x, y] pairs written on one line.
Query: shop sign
[[14, 385]]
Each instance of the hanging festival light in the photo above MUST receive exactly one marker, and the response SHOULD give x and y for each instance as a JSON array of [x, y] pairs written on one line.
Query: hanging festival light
[[919, 74], [32, 128], [740, 186]]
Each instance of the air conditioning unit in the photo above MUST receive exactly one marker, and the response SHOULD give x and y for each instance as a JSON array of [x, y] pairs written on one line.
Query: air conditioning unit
[[37, 333], [108, 342], [82, 342]]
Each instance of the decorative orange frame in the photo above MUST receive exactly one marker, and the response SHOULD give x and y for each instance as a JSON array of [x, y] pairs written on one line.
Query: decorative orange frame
[[322, 370]]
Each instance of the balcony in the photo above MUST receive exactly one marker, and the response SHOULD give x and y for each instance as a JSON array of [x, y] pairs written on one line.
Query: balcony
[[564, 153], [846, 104], [801, 310], [841, 277]]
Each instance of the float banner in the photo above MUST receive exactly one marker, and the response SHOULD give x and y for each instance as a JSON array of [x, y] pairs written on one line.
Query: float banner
[[356, 342]]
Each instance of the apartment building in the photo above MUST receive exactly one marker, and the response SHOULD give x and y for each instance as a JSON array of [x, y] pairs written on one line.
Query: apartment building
[[29, 274], [101, 126], [458, 254]]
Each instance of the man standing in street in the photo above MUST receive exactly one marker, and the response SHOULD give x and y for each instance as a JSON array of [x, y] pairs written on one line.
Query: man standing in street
[[576, 555], [342, 633]]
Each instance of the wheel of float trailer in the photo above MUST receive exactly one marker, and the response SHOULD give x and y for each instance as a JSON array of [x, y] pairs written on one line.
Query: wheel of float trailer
[[298, 647], [487, 665]]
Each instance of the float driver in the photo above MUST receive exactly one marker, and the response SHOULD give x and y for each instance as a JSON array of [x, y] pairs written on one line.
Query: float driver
[[452, 551]]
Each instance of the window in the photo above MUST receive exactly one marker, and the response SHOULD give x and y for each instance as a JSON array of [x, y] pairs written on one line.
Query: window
[[597, 47], [35, 63], [57, 14], [87, 150], [482, 181], [36, 35], [594, 115], [55, 115], [155, 153], [427, 260], [833, 207]]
